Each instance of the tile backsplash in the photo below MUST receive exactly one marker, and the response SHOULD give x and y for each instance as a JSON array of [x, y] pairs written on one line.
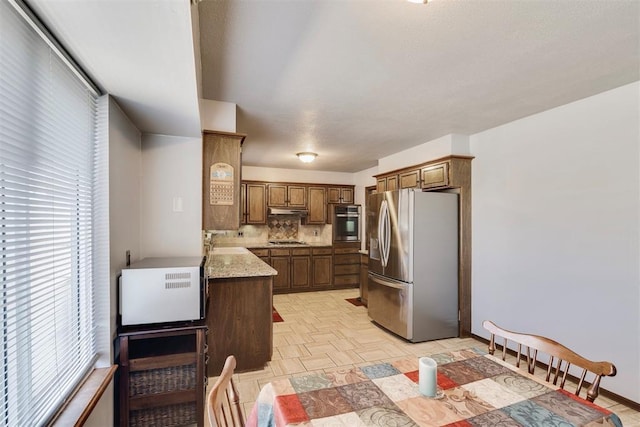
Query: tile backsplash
[[283, 227], [278, 228]]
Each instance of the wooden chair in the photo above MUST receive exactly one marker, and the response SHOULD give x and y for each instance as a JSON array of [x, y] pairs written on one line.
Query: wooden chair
[[563, 356], [223, 402]]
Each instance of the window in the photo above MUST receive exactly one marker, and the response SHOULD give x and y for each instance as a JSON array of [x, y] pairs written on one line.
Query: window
[[47, 156]]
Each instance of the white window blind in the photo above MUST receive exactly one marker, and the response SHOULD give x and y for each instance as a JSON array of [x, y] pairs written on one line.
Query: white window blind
[[47, 146]]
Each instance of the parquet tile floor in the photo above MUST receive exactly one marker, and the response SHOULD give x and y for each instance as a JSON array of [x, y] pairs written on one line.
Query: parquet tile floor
[[322, 331]]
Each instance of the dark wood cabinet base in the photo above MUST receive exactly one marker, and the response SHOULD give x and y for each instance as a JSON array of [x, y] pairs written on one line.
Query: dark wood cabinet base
[[240, 323]]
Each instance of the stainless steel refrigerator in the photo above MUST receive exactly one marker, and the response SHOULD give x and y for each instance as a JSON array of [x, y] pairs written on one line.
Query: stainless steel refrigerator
[[413, 263]]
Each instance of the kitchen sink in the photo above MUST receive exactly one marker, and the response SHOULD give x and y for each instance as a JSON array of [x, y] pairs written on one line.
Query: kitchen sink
[[235, 250]]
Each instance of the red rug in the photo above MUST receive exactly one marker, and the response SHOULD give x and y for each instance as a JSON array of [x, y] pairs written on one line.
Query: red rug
[[355, 301], [276, 316]]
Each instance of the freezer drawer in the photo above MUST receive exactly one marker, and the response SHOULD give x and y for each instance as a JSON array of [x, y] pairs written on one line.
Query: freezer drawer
[[390, 304]]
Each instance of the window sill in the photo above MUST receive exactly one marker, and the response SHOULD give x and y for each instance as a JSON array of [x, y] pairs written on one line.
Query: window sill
[[77, 410]]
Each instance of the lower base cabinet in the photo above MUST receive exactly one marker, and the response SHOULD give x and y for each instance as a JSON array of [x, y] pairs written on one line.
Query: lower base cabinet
[[346, 264], [322, 268], [162, 376], [240, 319], [364, 278], [313, 268]]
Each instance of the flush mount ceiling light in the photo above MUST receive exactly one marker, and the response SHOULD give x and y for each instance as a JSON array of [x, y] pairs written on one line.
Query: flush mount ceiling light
[[307, 156], [418, 1]]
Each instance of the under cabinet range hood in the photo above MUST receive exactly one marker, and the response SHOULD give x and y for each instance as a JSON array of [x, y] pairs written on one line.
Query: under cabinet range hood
[[288, 211]]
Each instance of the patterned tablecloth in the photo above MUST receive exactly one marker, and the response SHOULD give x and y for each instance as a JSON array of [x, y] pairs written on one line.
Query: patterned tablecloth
[[479, 390]]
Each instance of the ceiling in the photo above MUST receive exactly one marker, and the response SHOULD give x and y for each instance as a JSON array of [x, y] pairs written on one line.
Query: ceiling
[[356, 81], [352, 80], [139, 51]]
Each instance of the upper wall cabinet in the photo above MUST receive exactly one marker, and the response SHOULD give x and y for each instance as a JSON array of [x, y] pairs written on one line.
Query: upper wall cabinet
[[435, 176], [221, 169], [317, 205], [258, 196], [410, 179], [387, 183], [254, 203], [340, 194], [282, 196]]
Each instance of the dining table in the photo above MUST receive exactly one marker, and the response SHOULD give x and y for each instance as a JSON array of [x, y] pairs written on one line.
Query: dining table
[[474, 389]]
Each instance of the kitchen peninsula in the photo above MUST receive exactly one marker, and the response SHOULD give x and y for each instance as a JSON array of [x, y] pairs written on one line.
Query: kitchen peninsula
[[239, 315]]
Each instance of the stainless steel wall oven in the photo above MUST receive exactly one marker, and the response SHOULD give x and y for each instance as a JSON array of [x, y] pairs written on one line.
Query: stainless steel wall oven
[[346, 223]]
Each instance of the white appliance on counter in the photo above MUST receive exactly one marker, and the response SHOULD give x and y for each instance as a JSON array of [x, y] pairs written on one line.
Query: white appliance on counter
[[163, 290], [413, 263]]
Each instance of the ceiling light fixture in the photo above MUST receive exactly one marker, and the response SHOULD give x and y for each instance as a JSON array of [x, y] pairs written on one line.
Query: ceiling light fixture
[[418, 1], [307, 156]]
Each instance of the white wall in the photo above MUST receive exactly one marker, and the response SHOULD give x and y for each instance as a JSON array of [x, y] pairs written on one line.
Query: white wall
[[431, 150], [124, 195], [556, 229], [295, 175], [217, 115], [171, 196], [123, 223]]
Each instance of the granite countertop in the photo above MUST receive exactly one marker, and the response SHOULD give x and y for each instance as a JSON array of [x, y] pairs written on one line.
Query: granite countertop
[[224, 263], [267, 245]]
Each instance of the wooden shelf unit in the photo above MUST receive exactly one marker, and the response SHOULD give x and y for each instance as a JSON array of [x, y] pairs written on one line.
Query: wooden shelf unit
[[162, 377]]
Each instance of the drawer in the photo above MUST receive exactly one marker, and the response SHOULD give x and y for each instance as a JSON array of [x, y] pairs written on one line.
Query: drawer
[[346, 269], [300, 252], [260, 252], [351, 279], [347, 259], [353, 250], [279, 252], [322, 251]]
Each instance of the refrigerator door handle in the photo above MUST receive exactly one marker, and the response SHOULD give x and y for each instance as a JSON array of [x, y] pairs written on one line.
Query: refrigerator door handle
[[387, 235], [381, 232], [384, 232], [387, 282]]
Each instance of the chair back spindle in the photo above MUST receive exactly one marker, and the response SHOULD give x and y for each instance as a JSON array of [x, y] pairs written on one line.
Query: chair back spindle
[[564, 358]]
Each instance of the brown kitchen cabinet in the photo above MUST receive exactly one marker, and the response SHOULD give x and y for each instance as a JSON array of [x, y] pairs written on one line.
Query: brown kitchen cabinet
[[258, 196], [240, 320], [283, 196], [435, 176], [162, 376], [254, 203], [221, 170], [410, 179], [346, 265], [387, 183], [294, 269], [364, 278], [317, 206], [300, 268], [322, 268], [280, 260], [344, 195]]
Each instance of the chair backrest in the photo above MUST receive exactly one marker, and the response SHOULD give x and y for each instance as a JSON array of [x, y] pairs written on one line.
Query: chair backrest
[[562, 356], [223, 402]]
